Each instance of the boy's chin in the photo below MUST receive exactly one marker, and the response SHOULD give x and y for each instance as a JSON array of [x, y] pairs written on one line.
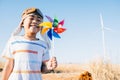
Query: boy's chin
[[33, 30]]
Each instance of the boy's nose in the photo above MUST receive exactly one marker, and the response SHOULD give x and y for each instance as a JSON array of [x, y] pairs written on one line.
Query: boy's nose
[[34, 20]]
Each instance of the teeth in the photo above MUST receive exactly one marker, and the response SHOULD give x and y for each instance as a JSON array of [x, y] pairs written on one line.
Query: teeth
[[32, 26], [35, 26]]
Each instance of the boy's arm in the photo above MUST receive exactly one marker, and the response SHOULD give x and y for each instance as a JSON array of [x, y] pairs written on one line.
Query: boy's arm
[[44, 67], [8, 67], [49, 65]]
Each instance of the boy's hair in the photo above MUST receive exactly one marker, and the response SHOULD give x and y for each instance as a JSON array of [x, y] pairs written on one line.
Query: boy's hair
[[25, 13], [36, 11]]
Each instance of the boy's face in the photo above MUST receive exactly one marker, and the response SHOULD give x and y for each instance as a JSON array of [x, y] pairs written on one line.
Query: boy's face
[[31, 23]]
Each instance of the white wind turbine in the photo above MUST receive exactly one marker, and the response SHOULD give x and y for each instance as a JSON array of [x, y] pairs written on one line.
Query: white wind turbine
[[106, 57]]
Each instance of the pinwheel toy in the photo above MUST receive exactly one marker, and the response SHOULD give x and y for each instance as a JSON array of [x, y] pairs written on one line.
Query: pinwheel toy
[[53, 28]]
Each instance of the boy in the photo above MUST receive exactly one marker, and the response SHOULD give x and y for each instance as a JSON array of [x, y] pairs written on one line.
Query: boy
[[27, 56]]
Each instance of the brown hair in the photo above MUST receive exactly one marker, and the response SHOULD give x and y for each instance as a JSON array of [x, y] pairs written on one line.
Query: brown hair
[[32, 10]]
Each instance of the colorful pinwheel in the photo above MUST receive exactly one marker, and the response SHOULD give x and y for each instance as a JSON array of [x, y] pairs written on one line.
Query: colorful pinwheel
[[53, 28]]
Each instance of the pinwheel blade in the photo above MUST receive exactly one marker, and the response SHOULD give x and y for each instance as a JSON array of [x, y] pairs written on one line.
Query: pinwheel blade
[[56, 35], [49, 18], [44, 30], [49, 33], [59, 30], [55, 22], [46, 24], [61, 23]]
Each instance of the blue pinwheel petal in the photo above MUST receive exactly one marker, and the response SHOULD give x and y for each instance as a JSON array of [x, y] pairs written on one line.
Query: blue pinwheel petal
[[49, 33], [49, 18], [56, 35]]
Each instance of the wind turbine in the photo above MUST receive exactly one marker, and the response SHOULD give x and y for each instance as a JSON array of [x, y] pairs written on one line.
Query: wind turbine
[[103, 38]]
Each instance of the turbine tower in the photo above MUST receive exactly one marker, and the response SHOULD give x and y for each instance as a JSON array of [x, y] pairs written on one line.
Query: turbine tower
[[103, 38]]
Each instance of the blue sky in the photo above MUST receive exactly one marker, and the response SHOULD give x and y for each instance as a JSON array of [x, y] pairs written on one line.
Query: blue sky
[[82, 41]]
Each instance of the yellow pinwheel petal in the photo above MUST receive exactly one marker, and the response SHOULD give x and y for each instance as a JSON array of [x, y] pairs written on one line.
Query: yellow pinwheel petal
[[46, 24], [44, 30]]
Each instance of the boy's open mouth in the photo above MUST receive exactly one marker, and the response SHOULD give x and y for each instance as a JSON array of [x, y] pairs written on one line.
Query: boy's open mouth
[[37, 26]]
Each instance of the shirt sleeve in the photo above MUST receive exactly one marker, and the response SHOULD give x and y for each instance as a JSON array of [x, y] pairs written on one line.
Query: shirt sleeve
[[7, 52]]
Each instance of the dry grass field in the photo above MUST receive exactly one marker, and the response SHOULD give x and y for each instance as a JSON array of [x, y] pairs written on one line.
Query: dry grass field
[[97, 68], [99, 71]]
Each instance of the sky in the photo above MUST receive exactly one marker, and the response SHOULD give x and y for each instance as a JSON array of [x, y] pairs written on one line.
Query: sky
[[82, 41]]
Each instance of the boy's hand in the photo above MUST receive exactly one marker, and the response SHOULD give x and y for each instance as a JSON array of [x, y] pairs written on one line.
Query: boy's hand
[[52, 63]]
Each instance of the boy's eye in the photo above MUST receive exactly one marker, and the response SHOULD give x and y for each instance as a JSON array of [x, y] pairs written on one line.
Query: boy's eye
[[39, 20], [31, 18], [35, 18]]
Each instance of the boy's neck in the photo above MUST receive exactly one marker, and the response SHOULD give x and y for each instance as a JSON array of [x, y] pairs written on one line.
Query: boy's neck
[[30, 37]]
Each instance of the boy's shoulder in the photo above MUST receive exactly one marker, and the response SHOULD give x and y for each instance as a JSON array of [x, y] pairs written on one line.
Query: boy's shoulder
[[15, 37], [43, 42], [12, 39]]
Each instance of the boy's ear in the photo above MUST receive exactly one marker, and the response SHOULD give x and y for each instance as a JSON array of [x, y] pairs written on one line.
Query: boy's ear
[[22, 24]]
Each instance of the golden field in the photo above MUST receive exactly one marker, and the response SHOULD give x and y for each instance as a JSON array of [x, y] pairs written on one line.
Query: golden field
[[99, 70]]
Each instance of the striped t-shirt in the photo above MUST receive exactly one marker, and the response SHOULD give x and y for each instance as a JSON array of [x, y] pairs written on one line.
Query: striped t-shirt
[[28, 57]]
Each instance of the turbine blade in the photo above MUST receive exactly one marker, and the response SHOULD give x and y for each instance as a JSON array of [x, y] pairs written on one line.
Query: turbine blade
[[106, 28], [101, 21]]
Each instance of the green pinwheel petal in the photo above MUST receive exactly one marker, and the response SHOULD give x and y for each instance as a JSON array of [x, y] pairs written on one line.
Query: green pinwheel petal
[[55, 20], [55, 23]]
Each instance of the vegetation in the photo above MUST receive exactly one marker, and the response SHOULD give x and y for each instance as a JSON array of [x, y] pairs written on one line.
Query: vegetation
[[98, 69]]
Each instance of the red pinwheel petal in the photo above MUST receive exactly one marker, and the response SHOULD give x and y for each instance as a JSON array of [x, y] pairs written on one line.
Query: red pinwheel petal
[[59, 30], [61, 22]]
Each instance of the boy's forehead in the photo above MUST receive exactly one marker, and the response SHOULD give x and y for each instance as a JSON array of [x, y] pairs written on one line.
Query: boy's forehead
[[34, 15]]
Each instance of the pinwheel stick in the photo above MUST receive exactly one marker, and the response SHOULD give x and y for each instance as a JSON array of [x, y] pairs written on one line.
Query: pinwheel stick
[[53, 47]]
